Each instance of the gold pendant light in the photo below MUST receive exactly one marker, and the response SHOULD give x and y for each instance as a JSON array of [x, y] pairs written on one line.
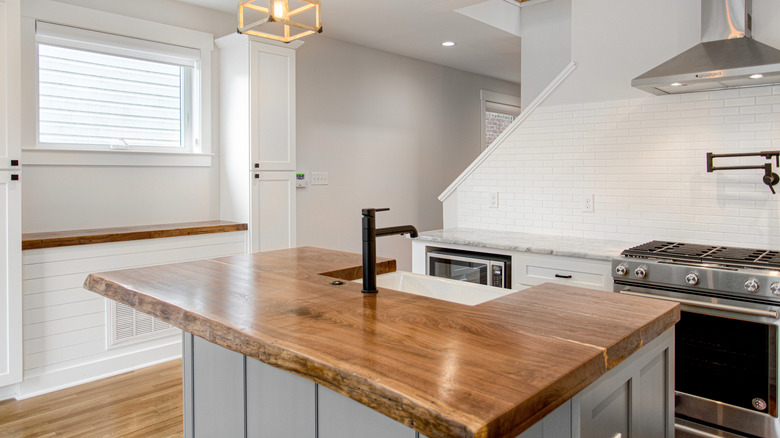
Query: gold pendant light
[[273, 19]]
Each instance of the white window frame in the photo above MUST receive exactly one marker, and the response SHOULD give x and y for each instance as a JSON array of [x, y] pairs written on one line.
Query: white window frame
[[121, 27], [102, 43], [495, 102]]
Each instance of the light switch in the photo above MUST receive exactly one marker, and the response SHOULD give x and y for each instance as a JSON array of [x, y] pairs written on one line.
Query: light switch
[[319, 178]]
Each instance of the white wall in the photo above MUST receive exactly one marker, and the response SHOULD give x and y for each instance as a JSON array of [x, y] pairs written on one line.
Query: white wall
[[547, 45], [613, 42], [390, 131], [76, 197], [643, 157]]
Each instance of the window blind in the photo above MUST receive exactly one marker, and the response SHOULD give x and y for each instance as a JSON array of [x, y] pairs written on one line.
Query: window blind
[[105, 91]]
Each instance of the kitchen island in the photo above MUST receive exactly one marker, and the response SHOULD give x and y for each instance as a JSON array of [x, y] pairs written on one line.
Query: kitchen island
[[438, 368]]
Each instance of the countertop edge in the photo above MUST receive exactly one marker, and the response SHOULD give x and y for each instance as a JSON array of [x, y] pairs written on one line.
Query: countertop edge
[[596, 249]]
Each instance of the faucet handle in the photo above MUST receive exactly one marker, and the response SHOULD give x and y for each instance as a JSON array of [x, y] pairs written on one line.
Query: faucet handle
[[371, 211]]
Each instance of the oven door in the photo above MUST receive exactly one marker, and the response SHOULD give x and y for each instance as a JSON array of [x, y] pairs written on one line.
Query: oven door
[[725, 362]]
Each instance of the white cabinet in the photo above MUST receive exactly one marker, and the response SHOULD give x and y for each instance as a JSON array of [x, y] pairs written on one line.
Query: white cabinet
[[273, 210], [257, 138], [10, 197]]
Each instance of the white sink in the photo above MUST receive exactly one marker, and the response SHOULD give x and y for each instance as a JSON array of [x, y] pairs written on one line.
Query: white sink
[[439, 288]]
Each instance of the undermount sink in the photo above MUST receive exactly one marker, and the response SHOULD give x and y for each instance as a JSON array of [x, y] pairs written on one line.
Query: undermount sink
[[444, 289]]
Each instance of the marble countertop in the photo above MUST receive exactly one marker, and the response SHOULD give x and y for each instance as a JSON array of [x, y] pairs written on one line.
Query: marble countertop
[[533, 243], [444, 369]]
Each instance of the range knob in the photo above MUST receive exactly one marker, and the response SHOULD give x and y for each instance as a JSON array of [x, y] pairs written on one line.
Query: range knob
[[640, 272], [692, 279], [751, 285], [775, 288], [621, 269]]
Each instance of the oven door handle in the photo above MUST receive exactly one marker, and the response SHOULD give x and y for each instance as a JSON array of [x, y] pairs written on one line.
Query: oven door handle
[[712, 306]]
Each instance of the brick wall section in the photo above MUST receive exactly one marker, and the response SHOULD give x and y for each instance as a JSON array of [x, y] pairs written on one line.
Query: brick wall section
[[644, 160], [495, 124]]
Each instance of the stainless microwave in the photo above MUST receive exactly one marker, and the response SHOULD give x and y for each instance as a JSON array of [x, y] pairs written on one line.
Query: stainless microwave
[[469, 266]]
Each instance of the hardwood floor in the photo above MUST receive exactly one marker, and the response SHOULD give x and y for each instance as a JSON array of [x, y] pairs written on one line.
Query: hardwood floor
[[141, 403]]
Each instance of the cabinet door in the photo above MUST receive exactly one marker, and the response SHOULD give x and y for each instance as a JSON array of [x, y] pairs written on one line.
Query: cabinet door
[[273, 211], [10, 79], [3, 87], [217, 390], [272, 87], [634, 399], [606, 414], [10, 280], [278, 403], [341, 417]]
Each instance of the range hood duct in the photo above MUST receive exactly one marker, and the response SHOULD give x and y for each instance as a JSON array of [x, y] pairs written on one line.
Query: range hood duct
[[727, 57]]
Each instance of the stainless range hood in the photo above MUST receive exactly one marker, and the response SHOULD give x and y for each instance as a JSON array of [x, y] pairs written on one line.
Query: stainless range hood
[[727, 57]]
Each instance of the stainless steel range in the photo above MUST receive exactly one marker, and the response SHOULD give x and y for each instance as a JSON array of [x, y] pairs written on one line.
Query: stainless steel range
[[726, 349]]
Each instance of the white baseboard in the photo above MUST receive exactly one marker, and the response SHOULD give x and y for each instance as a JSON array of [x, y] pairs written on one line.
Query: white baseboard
[[10, 391], [41, 382]]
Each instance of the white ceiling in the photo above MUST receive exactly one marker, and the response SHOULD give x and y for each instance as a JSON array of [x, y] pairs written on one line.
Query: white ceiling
[[416, 28]]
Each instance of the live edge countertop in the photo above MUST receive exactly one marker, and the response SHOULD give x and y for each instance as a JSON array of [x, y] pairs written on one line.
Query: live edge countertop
[[568, 246], [444, 369]]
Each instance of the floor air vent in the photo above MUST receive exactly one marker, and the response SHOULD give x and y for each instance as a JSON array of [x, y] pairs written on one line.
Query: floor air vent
[[126, 325]]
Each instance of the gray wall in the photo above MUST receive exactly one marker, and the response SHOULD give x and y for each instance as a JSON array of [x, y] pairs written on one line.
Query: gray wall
[[390, 131]]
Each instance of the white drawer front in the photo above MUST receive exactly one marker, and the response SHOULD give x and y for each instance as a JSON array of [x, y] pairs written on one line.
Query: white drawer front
[[538, 269]]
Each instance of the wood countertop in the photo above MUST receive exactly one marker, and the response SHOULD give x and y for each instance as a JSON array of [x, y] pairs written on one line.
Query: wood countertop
[[121, 234], [444, 369]]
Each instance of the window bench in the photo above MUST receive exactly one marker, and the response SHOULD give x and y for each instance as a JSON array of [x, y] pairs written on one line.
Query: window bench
[[72, 336]]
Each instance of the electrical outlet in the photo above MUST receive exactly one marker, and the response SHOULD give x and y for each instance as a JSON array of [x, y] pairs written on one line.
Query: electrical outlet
[[319, 178], [587, 203], [493, 199]]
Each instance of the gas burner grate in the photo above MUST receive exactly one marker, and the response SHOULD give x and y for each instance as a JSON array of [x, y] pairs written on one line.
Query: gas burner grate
[[689, 252], [747, 257], [670, 250]]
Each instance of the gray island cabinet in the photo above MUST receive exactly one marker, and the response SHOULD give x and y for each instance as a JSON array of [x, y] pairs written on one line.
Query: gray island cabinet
[[274, 345], [229, 394]]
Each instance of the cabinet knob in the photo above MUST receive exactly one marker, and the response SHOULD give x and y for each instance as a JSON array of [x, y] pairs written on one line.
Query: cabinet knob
[[257, 176], [257, 165], [14, 162], [14, 177]]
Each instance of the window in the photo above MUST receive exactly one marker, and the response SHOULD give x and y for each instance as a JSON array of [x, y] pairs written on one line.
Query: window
[[498, 112], [99, 91]]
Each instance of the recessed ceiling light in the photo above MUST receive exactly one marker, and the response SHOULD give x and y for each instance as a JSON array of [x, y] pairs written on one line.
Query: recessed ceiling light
[[675, 84], [448, 43], [756, 76]]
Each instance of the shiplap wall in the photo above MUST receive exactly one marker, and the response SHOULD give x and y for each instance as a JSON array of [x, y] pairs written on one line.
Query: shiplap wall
[[65, 331], [644, 160]]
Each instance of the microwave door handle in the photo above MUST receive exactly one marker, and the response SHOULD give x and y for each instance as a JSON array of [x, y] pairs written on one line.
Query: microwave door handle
[[712, 306]]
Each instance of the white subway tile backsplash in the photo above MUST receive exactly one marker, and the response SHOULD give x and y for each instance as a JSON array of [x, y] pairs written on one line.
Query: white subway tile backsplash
[[755, 91], [644, 160]]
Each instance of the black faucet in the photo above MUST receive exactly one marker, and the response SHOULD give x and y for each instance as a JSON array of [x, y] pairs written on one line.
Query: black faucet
[[370, 233]]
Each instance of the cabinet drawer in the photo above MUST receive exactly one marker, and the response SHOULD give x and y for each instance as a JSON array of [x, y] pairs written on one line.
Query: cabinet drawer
[[537, 269]]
